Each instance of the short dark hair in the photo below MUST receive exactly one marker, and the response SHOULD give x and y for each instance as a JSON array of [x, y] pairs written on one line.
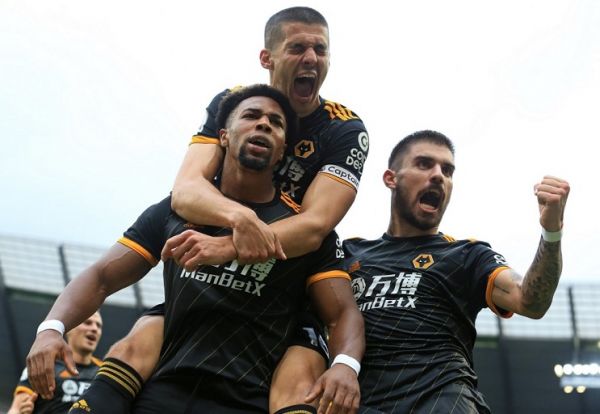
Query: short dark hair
[[405, 143], [273, 31], [236, 96]]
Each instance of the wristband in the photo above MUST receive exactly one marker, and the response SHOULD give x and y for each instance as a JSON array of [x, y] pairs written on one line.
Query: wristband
[[347, 360], [551, 236], [53, 324]]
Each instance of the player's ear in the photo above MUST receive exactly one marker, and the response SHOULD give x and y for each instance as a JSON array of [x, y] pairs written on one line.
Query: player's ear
[[389, 179], [265, 59], [223, 138]]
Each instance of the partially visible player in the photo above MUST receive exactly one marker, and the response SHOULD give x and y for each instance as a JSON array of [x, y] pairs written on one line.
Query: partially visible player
[[420, 290], [70, 384]]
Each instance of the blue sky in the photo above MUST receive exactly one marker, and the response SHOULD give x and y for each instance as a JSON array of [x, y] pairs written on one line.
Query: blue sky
[[99, 101]]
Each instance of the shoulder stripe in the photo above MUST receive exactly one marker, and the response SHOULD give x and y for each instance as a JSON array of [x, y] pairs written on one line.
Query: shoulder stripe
[[327, 275], [339, 111], [203, 139], [449, 239], [22, 388], [488, 294], [139, 250], [285, 197]]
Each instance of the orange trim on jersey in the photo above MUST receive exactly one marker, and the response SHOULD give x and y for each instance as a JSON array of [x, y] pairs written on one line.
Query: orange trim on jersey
[[333, 177], [96, 361], [290, 203], [449, 239], [203, 139], [21, 388], [488, 294], [139, 250], [327, 275], [65, 374]]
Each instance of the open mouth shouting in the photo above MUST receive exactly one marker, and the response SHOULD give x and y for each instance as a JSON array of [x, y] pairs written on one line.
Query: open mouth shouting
[[431, 200], [304, 85]]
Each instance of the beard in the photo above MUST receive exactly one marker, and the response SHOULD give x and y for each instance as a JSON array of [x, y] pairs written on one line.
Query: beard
[[252, 162], [402, 207]]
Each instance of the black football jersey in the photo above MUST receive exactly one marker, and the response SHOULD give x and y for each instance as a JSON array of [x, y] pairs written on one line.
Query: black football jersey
[[419, 297], [229, 323]]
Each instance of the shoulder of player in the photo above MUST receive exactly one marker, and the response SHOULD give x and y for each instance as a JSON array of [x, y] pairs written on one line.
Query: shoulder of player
[[216, 100], [354, 246], [353, 240], [468, 243], [339, 112], [160, 209]]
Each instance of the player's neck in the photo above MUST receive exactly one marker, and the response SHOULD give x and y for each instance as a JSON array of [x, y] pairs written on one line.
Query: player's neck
[[305, 109], [82, 358], [247, 185], [399, 227]]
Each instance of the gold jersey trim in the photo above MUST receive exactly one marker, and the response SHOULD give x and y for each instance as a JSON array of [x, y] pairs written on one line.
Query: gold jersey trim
[[203, 139], [488, 294], [327, 275], [339, 111], [139, 250]]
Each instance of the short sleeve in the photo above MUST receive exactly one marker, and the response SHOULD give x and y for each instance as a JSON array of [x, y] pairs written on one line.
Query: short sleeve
[[147, 235], [207, 132], [349, 143], [484, 264], [327, 261], [24, 385]]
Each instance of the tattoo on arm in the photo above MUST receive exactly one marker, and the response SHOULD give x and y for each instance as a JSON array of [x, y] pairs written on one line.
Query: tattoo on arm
[[541, 279]]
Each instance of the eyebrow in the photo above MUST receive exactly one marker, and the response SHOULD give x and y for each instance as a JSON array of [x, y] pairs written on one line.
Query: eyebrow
[[269, 114], [428, 158]]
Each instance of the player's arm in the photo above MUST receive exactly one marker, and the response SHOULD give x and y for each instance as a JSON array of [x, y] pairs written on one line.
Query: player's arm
[[335, 304], [331, 193], [22, 403], [196, 199], [118, 268], [532, 295], [325, 204]]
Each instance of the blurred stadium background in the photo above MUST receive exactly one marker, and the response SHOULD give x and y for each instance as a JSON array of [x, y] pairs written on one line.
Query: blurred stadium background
[[525, 366]]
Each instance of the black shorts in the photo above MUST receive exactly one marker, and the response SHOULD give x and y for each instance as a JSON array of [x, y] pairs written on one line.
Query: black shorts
[[183, 394], [157, 310], [309, 331]]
